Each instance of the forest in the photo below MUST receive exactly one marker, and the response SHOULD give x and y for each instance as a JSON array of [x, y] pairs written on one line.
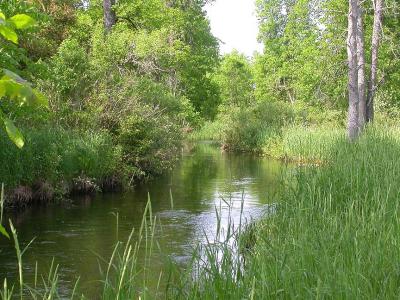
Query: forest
[[100, 96]]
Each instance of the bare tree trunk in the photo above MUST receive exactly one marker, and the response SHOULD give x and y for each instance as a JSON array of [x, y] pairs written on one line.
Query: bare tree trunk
[[362, 102], [372, 85], [109, 14], [353, 127]]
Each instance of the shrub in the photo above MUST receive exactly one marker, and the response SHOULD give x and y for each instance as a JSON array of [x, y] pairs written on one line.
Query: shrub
[[150, 140], [54, 154], [246, 129]]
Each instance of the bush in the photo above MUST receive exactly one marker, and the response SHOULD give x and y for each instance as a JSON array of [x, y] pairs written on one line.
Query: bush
[[54, 155], [150, 141], [246, 129]]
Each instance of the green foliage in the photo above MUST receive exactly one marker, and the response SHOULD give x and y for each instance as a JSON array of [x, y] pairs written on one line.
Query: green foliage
[[304, 54], [146, 148], [12, 86], [234, 78], [19, 91], [55, 155], [247, 129], [151, 74], [8, 26], [69, 68]]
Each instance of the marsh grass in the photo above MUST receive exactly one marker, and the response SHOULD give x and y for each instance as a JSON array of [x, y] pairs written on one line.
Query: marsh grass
[[210, 131], [308, 145], [335, 234]]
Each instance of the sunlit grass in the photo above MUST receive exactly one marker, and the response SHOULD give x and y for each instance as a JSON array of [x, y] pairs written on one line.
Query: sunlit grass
[[211, 131], [335, 234], [304, 144]]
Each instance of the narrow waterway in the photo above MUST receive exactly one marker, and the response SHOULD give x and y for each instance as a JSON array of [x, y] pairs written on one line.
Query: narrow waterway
[[79, 235]]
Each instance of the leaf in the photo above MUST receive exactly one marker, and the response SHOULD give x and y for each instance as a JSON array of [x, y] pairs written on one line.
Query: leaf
[[3, 231], [3, 88], [25, 96], [11, 75], [8, 33], [13, 133], [10, 88], [21, 21]]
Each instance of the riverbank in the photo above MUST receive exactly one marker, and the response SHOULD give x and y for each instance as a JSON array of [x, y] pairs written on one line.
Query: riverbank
[[58, 162], [334, 234], [331, 232]]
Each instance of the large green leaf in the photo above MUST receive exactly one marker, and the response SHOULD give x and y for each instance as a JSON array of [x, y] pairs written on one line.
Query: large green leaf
[[21, 21], [13, 133], [3, 231], [8, 33], [10, 88], [18, 89], [3, 88], [11, 75]]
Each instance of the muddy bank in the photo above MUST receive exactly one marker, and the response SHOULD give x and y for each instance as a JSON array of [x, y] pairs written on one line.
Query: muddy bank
[[43, 192]]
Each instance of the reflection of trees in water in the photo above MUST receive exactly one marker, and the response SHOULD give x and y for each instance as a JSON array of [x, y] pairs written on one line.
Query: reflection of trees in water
[[197, 175], [73, 234], [258, 177]]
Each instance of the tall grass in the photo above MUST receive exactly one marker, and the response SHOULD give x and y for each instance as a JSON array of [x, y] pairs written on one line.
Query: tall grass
[[335, 234], [304, 144], [54, 154], [211, 131]]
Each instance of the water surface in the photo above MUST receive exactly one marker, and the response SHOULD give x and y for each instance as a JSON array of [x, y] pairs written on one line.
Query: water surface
[[79, 234]]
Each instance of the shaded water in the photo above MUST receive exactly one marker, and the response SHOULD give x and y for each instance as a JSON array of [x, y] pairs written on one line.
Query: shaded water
[[77, 234]]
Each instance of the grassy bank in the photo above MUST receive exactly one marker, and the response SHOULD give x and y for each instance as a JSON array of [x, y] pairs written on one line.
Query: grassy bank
[[56, 162], [334, 235], [302, 144]]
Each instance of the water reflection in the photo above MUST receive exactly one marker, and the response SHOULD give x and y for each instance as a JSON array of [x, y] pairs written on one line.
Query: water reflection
[[80, 233]]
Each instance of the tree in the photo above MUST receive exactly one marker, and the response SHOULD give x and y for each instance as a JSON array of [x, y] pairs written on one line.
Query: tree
[[235, 81], [372, 84], [109, 14], [353, 122], [360, 108]]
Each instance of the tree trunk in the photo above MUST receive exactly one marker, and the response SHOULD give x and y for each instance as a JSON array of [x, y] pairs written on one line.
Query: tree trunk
[[353, 127], [109, 15], [372, 85], [362, 102]]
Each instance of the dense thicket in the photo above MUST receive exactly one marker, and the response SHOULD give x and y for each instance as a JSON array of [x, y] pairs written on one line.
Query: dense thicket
[[138, 83], [302, 75]]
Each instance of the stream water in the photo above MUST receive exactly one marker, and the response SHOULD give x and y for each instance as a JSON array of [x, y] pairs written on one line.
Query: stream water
[[77, 235]]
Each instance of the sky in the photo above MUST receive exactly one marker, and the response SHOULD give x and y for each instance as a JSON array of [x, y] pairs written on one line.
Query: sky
[[234, 22]]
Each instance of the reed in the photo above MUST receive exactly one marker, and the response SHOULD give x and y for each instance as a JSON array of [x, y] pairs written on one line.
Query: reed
[[334, 234]]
